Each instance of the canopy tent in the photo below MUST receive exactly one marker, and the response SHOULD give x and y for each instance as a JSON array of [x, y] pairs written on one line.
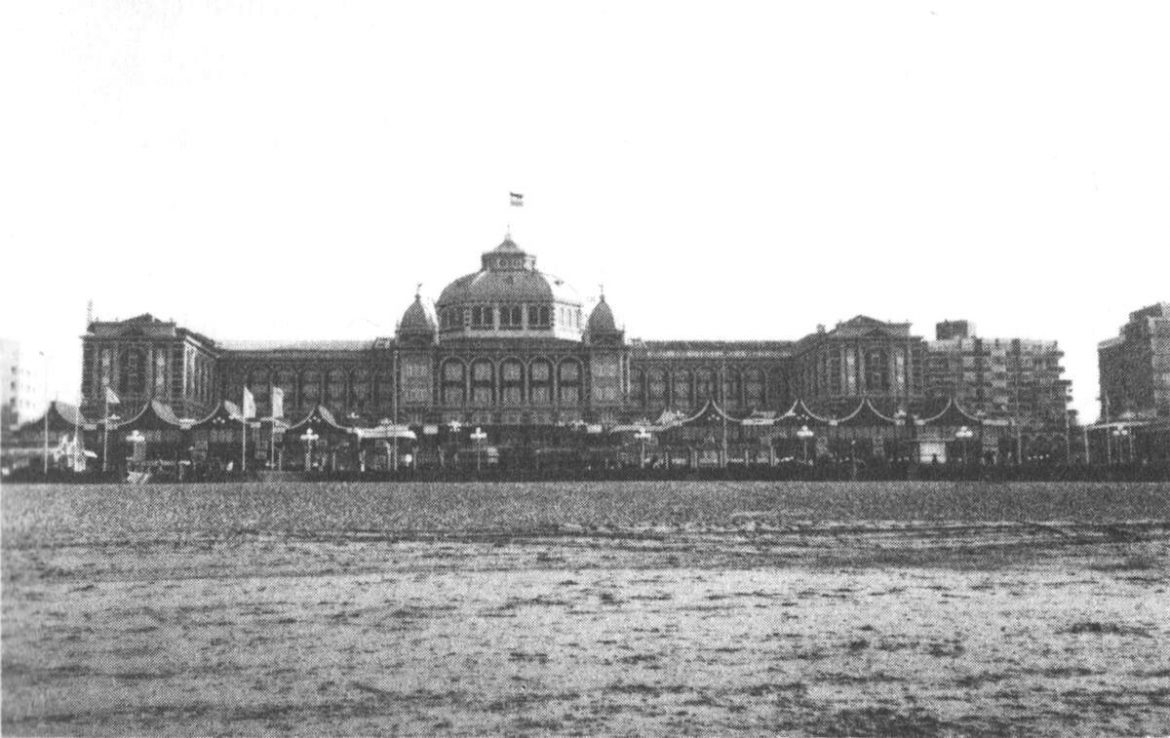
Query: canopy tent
[[319, 419], [799, 415], [709, 414], [62, 418], [154, 416], [952, 414], [385, 433], [225, 412], [865, 416]]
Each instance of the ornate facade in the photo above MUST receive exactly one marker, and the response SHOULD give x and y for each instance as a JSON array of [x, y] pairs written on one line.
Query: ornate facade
[[512, 350]]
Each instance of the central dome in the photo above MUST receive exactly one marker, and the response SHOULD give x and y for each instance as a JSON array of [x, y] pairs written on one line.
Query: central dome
[[510, 295]]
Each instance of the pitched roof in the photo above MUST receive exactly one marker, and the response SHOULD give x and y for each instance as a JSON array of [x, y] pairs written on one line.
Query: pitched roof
[[309, 345], [799, 415], [62, 417], [225, 412], [318, 417], [155, 415], [865, 415], [951, 415]]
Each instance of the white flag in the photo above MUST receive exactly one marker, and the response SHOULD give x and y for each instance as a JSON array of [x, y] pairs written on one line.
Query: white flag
[[278, 402], [249, 404], [517, 199]]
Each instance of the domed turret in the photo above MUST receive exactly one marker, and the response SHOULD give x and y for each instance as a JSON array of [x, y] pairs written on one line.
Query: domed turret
[[418, 321], [602, 326], [601, 319]]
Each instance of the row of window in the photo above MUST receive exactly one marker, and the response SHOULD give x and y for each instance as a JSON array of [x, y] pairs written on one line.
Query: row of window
[[684, 387], [508, 317]]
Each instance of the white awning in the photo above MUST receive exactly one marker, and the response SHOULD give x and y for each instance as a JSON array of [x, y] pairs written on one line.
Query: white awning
[[385, 432]]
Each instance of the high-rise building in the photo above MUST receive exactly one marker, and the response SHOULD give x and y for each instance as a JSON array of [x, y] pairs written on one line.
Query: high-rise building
[[1135, 367], [23, 392], [1016, 381]]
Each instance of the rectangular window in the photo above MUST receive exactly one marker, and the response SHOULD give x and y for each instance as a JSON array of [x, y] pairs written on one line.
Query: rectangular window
[[510, 317], [540, 395], [511, 396], [482, 318], [570, 395]]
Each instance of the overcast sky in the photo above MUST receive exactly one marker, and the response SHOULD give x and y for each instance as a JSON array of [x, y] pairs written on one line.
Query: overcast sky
[[291, 169]]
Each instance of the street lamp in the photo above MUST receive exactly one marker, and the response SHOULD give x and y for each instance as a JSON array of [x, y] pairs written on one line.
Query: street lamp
[[1122, 433], [387, 427], [804, 434], [643, 435], [308, 437], [964, 434], [106, 438], [136, 438], [478, 437]]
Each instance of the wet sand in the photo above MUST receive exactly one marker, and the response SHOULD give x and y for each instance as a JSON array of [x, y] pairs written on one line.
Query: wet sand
[[745, 620]]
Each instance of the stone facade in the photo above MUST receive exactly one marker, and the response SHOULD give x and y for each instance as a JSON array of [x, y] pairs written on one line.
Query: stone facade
[[511, 349]]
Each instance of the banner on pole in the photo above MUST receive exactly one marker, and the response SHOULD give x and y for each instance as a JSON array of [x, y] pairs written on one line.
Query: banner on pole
[[249, 404]]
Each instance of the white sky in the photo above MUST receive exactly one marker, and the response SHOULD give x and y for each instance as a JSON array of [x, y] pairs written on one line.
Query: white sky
[[289, 169]]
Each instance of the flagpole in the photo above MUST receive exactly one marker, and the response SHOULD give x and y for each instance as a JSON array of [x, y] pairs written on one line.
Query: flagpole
[[106, 430], [243, 432], [45, 360]]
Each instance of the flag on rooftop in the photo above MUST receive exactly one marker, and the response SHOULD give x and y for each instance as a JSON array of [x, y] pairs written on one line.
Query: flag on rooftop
[[111, 398], [517, 199]]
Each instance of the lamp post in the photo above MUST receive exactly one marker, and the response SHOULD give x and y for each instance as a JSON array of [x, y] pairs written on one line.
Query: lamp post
[[136, 438], [386, 425], [853, 459], [963, 435], [307, 438], [804, 434], [478, 437], [1121, 433], [106, 438], [643, 435]]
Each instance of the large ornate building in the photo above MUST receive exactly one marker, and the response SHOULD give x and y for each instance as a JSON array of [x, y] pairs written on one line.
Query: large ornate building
[[514, 351]]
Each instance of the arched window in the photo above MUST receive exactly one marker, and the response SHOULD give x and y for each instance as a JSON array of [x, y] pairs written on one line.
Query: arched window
[[877, 370], [454, 379], [286, 380], [538, 316], [656, 387], [731, 388], [836, 372], [753, 387], [132, 371], [704, 385], [335, 388], [637, 387], [681, 388], [511, 317], [310, 388], [540, 382], [511, 382], [360, 394], [258, 385], [482, 382], [569, 382], [384, 391]]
